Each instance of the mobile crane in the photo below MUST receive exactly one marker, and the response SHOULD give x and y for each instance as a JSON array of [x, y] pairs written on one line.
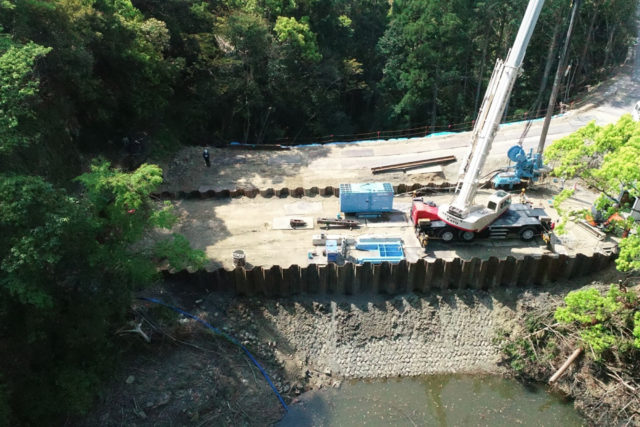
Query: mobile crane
[[462, 219]]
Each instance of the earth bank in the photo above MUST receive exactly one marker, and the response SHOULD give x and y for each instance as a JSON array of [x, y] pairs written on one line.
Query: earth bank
[[188, 376]]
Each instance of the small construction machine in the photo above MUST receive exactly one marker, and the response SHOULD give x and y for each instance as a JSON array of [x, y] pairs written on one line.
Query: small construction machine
[[527, 169], [498, 218]]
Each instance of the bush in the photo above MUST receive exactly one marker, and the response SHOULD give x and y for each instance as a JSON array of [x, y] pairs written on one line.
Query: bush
[[602, 320]]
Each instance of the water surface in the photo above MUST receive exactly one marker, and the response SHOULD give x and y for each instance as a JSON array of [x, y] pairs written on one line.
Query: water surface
[[440, 400]]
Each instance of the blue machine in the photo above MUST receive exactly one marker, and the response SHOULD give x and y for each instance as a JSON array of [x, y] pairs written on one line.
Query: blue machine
[[331, 247], [527, 168], [372, 197]]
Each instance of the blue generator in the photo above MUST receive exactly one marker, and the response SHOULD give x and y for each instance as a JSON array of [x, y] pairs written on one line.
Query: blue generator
[[367, 198]]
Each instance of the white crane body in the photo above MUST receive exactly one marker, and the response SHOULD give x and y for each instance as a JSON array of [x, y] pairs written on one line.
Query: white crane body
[[462, 213]]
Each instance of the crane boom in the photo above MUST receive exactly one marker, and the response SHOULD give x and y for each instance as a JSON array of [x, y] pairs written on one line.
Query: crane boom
[[461, 213]]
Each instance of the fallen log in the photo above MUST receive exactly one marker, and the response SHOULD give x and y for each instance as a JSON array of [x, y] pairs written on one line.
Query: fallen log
[[565, 365]]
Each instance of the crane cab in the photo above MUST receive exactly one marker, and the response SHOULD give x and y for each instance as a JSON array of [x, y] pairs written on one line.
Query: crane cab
[[499, 202], [476, 217], [423, 210]]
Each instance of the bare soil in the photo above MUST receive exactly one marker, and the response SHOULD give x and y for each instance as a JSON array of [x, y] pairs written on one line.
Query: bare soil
[[221, 226]]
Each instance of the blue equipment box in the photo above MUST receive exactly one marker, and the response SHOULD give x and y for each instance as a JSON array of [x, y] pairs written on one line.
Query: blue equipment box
[[372, 197], [332, 250]]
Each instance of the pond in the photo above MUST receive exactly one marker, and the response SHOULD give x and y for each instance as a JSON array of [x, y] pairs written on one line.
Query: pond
[[440, 400]]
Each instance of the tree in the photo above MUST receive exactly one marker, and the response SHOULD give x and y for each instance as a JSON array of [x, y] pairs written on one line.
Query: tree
[[604, 158], [296, 35], [604, 322], [424, 44], [69, 267], [18, 90]]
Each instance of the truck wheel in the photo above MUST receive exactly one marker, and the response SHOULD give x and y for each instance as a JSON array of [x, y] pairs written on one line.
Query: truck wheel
[[527, 234], [447, 235], [466, 236]]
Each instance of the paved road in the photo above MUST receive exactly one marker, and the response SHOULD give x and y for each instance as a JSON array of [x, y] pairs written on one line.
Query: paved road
[[606, 104]]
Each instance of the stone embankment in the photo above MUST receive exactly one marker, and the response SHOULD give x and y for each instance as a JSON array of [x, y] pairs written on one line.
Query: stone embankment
[[403, 336]]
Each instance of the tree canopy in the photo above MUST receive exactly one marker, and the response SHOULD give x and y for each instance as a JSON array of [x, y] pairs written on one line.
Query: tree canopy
[[602, 157], [192, 71], [69, 267]]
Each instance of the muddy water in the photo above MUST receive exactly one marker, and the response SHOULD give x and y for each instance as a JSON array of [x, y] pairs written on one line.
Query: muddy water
[[442, 400]]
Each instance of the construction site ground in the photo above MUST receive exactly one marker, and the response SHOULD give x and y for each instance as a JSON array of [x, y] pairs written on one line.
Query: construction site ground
[[260, 227]]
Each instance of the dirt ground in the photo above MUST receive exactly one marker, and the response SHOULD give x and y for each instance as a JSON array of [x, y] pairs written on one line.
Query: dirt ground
[[222, 226], [255, 225]]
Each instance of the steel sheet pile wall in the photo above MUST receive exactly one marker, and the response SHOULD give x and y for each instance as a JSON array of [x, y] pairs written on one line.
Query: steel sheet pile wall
[[422, 276], [210, 193]]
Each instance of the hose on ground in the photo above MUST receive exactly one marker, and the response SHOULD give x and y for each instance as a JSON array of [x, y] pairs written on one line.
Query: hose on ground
[[224, 335]]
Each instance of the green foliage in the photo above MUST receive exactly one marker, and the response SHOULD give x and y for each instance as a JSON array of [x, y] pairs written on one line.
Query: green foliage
[[604, 158], [588, 307], [571, 155], [564, 216], [599, 155], [560, 198], [77, 387], [600, 319], [298, 36], [629, 253], [69, 266], [18, 90], [179, 253], [520, 352], [636, 329], [121, 200]]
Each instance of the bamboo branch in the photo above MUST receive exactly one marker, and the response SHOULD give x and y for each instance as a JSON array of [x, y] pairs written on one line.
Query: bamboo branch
[[565, 365], [616, 376]]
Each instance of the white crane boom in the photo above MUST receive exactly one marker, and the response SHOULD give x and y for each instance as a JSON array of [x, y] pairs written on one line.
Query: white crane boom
[[461, 213]]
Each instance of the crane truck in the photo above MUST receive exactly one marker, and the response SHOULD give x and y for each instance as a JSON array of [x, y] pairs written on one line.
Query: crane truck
[[499, 217]]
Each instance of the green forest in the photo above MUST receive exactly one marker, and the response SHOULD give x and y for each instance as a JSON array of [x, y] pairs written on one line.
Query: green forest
[[78, 76], [81, 79]]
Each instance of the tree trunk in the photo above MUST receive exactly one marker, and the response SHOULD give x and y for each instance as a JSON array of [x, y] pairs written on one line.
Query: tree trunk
[[476, 104], [565, 365], [581, 66], [609, 47], [547, 67], [434, 103]]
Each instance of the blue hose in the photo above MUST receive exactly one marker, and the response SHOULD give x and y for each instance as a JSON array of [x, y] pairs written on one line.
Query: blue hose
[[230, 338]]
